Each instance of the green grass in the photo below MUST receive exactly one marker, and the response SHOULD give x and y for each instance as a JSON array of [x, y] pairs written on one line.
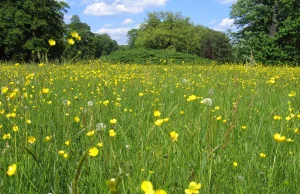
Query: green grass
[[210, 138]]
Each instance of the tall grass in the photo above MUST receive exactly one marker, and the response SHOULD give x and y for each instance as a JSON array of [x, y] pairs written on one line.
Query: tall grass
[[219, 146]]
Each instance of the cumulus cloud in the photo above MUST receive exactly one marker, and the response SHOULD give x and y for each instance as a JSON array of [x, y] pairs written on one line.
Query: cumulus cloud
[[127, 21], [225, 24], [227, 1], [121, 6], [118, 34]]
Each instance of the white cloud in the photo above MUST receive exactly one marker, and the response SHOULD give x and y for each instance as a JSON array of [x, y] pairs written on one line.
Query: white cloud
[[107, 25], [121, 6], [118, 34], [127, 21], [67, 18], [212, 22], [224, 25], [227, 1]]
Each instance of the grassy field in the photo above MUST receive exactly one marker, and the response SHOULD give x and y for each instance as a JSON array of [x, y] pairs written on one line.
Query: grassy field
[[91, 128]]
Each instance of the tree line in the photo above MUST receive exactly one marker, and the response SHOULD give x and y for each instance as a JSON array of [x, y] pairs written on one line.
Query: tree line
[[268, 31]]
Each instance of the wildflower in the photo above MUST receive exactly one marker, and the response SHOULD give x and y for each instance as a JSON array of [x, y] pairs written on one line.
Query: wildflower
[[156, 113], [67, 143], [159, 122], [45, 90], [6, 136], [217, 108], [193, 188], [272, 80], [105, 102], [71, 41], [289, 140], [192, 98], [277, 117], [147, 187], [28, 121], [61, 152], [51, 42], [244, 127], [262, 155], [76, 119], [181, 112], [48, 138], [112, 133], [166, 119], [292, 94], [93, 151], [296, 130], [113, 121], [235, 164], [100, 126], [15, 128], [90, 133], [74, 34], [11, 170], [100, 144], [278, 138], [174, 136], [112, 185], [4, 89], [31, 139], [90, 103], [219, 118], [65, 155], [207, 101], [66, 102], [141, 94]]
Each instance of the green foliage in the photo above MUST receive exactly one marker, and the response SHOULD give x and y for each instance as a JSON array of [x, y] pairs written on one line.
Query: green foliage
[[26, 27], [169, 31], [146, 56], [270, 30]]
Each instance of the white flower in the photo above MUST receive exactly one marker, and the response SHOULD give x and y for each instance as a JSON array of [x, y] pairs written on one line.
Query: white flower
[[100, 126], [90, 103], [207, 101]]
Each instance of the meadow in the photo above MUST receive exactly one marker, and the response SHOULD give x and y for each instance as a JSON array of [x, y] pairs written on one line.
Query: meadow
[[104, 128]]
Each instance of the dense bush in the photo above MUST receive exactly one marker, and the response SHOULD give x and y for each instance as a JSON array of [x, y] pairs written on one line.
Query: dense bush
[[145, 56]]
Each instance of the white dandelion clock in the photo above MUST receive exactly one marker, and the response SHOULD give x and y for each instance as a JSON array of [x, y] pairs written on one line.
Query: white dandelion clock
[[207, 101]]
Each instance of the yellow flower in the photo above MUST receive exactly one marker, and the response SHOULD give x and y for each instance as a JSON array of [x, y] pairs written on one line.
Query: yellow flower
[[28, 121], [48, 138], [61, 152], [31, 139], [219, 118], [160, 192], [156, 113], [15, 128], [112, 133], [235, 164], [277, 117], [45, 90], [12, 170], [74, 34], [174, 136], [244, 127], [159, 122], [147, 187], [67, 143], [193, 188], [4, 89], [51, 42], [113, 121], [262, 155], [112, 185], [65, 155], [141, 94], [192, 98], [6, 136], [90, 133], [279, 138], [76, 119], [166, 119], [182, 112], [100, 144], [71, 41], [289, 140], [93, 151], [292, 94]]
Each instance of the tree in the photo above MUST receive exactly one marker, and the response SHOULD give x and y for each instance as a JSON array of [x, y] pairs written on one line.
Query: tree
[[269, 28], [27, 25]]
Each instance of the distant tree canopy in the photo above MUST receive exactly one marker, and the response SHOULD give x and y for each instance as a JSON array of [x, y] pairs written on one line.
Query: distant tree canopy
[[169, 31], [27, 25], [268, 29]]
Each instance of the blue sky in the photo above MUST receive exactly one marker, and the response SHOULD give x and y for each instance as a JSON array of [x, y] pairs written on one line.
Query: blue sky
[[117, 17]]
